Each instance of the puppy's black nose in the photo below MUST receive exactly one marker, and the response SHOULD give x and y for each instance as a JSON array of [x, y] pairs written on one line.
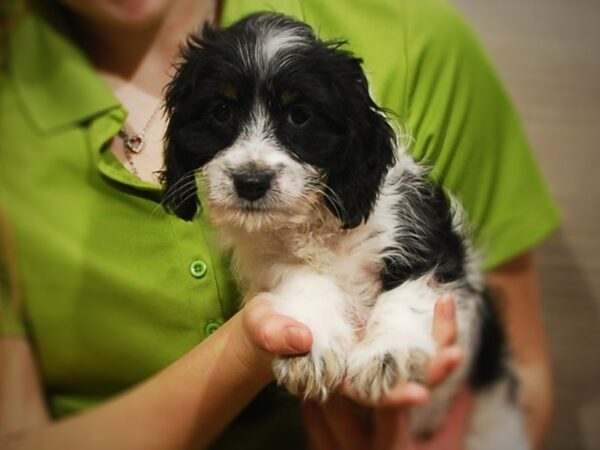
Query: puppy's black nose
[[252, 185]]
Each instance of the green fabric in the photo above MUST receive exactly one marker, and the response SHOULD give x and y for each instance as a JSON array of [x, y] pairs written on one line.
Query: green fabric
[[109, 297]]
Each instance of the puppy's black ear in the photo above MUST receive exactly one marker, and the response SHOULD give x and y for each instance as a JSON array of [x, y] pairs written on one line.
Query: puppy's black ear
[[178, 179], [182, 152], [180, 192], [368, 150]]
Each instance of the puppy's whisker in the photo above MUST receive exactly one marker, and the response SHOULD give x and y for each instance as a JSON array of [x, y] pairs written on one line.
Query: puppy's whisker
[[309, 199], [190, 193], [183, 190], [184, 180], [333, 198], [184, 177]]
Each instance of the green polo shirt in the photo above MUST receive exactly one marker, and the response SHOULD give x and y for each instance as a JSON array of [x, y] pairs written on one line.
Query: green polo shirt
[[114, 289]]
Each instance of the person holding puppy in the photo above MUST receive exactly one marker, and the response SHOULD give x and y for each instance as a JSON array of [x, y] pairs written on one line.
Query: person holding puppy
[[129, 329]]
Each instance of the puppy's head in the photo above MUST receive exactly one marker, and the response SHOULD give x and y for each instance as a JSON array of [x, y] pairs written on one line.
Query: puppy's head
[[277, 121]]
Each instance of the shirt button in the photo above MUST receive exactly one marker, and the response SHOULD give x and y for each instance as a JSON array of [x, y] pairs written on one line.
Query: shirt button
[[211, 327], [198, 268]]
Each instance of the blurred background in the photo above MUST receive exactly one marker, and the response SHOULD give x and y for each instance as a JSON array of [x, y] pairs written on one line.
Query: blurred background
[[547, 52]]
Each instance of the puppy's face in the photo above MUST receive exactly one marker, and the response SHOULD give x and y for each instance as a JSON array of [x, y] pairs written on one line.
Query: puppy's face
[[278, 122]]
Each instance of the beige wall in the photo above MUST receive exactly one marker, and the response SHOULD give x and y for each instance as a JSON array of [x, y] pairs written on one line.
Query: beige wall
[[548, 54]]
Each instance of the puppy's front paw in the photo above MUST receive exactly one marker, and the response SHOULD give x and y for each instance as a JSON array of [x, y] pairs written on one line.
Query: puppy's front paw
[[374, 373], [312, 375]]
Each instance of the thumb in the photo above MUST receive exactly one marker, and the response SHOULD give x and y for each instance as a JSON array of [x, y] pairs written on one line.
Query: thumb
[[274, 332]]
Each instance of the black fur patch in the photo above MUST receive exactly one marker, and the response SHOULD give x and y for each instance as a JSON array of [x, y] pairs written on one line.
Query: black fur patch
[[488, 364], [425, 239], [428, 242]]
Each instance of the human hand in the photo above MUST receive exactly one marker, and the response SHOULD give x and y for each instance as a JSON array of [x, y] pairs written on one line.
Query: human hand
[[341, 424], [347, 422], [393, 431], [266, 334]]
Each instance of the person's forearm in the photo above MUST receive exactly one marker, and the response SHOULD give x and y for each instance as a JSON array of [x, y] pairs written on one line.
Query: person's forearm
[[185, 405], [515, 287], [537, 398]]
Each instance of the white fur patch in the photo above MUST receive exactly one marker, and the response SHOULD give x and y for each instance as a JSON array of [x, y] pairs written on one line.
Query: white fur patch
[[277, 42], [496, 424]]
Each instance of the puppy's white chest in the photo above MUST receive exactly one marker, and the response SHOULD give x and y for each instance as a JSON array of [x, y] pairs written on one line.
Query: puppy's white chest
[[317, 252], [352, 264]]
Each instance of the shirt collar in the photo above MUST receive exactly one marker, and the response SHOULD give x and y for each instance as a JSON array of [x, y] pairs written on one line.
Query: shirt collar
[[56, 83]]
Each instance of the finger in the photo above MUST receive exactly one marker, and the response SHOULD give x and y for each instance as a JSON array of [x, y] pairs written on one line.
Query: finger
[[275, 332], [444, 322], [443, 364], [391, 430], [403, 394], [349, 429], [459, 412], [319, 435], [453, 430]]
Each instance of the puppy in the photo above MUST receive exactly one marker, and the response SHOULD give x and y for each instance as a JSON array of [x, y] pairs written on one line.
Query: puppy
[[323, 209]]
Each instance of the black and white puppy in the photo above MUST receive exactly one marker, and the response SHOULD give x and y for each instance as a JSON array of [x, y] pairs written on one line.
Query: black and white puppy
[[304, 178]]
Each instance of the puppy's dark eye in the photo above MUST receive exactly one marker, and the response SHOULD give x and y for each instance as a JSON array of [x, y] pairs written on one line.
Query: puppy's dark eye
[[221, 113], [299, 116]]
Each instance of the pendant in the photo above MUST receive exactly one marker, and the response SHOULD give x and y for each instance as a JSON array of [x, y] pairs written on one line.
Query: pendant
[[134, 143]]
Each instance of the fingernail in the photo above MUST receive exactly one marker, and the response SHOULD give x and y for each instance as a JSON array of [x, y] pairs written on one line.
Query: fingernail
[[447, 308], [455, 353], [298, 338], [410, 393], [416, 392]]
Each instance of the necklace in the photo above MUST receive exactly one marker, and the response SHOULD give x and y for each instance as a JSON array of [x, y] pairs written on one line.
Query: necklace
[[135, 143]]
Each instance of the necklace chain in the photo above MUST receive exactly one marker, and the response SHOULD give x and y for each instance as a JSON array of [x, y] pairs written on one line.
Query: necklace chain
[[135, 143]]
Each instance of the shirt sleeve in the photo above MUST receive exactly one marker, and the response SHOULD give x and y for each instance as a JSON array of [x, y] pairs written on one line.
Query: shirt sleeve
[[462, 124]]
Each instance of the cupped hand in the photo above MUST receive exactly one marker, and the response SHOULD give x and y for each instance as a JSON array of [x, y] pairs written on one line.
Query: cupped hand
[[348, 422]]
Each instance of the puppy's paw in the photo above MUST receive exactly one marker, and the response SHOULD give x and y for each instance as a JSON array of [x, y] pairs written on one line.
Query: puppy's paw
[[311, 376], [374, 373]]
